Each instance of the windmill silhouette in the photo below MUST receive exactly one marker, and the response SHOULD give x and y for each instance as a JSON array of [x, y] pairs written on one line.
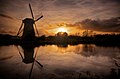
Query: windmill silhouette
[[29, 56], [28, 30]]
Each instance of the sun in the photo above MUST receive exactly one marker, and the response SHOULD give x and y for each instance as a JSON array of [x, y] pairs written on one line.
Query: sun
[[62, 29]]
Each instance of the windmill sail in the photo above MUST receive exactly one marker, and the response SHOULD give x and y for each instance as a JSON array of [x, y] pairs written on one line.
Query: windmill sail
[[39, 18], [31, 11], [19, 31]]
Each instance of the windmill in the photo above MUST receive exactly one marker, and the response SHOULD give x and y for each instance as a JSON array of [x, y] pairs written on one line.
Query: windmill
[[28, 29]]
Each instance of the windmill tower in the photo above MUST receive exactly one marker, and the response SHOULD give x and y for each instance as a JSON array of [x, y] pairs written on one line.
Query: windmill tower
[[28, 29]]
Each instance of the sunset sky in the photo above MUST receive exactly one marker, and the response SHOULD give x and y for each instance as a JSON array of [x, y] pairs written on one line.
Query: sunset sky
[[74, 16]]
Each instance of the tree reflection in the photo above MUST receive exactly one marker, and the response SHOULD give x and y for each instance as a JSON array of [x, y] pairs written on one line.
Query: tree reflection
[[86, 50]]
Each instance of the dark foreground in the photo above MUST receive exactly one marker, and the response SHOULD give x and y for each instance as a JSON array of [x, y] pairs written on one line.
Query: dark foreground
[[66, 75], [100, 40]]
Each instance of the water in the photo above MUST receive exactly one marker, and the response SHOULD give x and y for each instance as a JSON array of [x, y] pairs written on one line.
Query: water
[[59, 62]]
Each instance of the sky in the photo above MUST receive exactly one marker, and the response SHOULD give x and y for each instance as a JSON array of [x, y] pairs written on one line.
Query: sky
[[74, 16]]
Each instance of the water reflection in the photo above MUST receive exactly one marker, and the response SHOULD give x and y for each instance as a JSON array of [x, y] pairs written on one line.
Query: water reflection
[[60, 62], [28, 53]]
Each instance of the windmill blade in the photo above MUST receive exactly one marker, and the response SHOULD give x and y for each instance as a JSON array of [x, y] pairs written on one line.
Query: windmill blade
[[33, 18], [39, 63], [36, 60], [20, 29], [36, 29], [39, 18], [33, 64], [31, 70], [19, 52], [31, 11]]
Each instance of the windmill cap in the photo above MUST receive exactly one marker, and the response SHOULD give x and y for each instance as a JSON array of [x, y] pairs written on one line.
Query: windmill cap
[[28, 60], [28, 20]]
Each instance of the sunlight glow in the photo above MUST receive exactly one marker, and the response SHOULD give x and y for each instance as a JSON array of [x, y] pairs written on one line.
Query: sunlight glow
[[62, 29]]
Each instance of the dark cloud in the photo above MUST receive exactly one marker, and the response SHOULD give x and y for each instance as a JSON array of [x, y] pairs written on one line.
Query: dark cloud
[[106, 25], [6, 16], [104, 1], [117, 1]]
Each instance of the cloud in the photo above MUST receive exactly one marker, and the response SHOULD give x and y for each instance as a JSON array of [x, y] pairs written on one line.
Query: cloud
[[6, 16], [105, 25]]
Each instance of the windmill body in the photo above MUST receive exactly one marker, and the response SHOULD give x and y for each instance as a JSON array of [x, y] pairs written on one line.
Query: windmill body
[[28, 30]]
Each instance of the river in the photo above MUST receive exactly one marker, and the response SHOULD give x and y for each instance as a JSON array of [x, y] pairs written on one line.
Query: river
[[59, 62]]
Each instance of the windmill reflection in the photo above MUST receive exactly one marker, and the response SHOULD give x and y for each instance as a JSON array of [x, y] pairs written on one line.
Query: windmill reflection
[[29, 56]]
